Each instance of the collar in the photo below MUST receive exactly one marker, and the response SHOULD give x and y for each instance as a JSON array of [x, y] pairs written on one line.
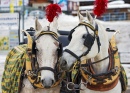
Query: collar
[[110, 80]]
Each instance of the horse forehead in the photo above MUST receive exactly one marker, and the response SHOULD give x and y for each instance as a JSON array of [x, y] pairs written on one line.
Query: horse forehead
[[46, 40], [80, 30]]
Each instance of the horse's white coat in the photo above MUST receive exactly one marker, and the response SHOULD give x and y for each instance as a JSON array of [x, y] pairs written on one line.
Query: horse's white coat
[[76, 46], [46, 56]]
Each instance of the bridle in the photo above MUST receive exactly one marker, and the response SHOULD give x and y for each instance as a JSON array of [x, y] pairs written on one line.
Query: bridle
[[89, 40], [34, 49], [86, 74], [33, 71]]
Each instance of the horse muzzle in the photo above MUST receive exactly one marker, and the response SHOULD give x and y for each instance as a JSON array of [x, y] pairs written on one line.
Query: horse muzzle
[[47, 82], [64, 65]]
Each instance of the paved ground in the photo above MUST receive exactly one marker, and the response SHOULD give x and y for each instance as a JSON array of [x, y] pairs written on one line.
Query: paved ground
[[3, 56]]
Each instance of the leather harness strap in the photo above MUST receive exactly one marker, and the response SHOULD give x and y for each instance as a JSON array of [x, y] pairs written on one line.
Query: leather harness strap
[[101, 87]]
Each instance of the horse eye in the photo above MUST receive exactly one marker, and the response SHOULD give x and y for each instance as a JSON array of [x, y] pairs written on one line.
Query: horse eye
[[84, 36]]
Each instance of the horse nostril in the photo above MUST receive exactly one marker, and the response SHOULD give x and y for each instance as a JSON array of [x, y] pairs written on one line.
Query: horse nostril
[[52, 81], [43, 81], [47, 82], [64, 63]]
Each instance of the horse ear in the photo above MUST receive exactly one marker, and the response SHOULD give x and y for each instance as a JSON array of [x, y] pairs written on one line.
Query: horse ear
[[89, 17], [81, 18], [55, 24], [38, 26]]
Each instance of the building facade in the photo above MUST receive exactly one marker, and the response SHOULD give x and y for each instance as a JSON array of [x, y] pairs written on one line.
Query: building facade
[[41, 4], [117, 10]]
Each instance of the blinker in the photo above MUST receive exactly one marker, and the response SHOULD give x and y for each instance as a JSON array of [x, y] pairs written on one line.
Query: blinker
[[89, 40], [84, 36]]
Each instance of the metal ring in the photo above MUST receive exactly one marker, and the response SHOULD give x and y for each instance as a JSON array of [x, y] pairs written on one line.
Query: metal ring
[[68, 86]]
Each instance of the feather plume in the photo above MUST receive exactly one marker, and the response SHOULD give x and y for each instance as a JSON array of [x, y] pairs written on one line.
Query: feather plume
[[52, 10], [100, 7]]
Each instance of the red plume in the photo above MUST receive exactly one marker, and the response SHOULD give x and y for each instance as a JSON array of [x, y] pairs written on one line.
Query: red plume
[[52, 10], [100, 7]]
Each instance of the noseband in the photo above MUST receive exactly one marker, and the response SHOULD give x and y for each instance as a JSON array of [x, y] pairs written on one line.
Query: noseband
[[89, 40]]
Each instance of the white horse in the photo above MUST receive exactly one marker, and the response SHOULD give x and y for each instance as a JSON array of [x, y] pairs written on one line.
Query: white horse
[[47, 56], [85, 45]]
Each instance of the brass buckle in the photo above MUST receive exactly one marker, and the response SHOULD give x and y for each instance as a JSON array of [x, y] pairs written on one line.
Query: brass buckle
[[75, 65], [30, 73]]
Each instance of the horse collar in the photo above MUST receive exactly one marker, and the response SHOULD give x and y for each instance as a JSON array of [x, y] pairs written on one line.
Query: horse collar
[[103, 81]]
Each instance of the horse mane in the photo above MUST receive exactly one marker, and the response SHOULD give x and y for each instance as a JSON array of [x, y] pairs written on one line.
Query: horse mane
[[101, 30]]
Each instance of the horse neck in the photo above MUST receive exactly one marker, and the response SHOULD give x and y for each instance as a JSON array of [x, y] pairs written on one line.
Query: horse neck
[[102, 66]]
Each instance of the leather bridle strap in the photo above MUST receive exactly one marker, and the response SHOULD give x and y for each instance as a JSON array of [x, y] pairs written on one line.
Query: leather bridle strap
[[49, 33], [73, 54], [46, 68], [95, 32]]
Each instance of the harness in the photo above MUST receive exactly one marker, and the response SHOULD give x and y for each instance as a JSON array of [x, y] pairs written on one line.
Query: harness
[[97, 82], [73, 78], [103, 81], [32, 70]]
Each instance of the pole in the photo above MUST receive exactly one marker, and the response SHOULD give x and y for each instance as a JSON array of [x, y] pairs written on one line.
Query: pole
[[19, 29], [23, 15], [22, 35]]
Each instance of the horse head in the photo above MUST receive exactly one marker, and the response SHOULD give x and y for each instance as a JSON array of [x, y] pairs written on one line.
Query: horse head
[[47, 49], [84, 42]]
